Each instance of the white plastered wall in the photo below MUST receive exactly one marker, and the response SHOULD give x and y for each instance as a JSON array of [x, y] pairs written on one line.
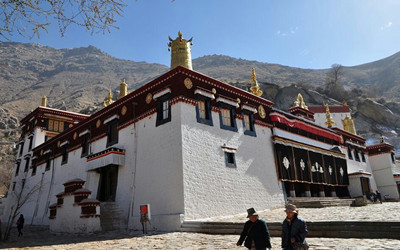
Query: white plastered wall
[[212, 189], [320, 119]]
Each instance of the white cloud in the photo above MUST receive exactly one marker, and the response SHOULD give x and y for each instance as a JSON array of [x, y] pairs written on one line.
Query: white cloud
[[387, 26], [291, 31], [305, 52]]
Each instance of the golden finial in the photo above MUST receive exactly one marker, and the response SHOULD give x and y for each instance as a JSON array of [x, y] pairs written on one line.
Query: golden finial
[[44, 101], [329, 121], [109, 99], [348, 125], [180, 52], [300, 102], [123, 89], [255, 88]]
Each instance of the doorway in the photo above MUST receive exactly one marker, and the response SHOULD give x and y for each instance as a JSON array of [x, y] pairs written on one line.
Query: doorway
[[365, 186], [107, 183]]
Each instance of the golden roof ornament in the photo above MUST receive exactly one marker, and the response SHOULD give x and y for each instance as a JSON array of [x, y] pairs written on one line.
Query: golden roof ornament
[[255, 88], [348, 125], [123, 89], [180, 52], [300, 102], [329, 120], [44, 101], [109, 99]]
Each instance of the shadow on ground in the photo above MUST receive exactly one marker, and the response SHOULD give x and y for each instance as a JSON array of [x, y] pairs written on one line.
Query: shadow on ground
[[37, 236]]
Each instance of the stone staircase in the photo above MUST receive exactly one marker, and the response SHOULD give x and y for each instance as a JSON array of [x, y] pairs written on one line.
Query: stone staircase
[[112, 217], [318, 202], [329, 229]]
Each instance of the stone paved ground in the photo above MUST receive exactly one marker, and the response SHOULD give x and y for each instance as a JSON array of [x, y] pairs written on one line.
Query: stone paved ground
[[41, 238]]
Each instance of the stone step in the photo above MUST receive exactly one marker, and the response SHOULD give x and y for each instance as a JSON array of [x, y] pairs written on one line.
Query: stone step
[[339, 229], [318, 202]]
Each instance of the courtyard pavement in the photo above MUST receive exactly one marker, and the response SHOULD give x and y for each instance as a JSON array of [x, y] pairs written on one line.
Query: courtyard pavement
[[40, 238]]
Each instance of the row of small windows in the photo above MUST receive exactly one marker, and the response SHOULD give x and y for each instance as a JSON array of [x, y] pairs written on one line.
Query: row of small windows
[[203, 114], [356, 154]]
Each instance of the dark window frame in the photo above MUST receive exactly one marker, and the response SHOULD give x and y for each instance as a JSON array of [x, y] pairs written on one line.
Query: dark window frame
[[230, 159], [393, 158], [64, 154], [48, 162], [30, 143], [232, 111], [34, 166], [349, 152], [252, 131], [27, 160], [160, 120], [85, 145], [21, 149], [112, 132], [356, 155], [207, 103], [17, 168], [362, 156]]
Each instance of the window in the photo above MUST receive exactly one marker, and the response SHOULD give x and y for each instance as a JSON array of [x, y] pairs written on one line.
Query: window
[[362, 156], [30, 143], [85, 145], [349, 154], [56, 126], [356, 155], [230, 159], [64, 158], [248, 124], [227, 117], [13, 186], [163, 110], [17, 168], [34, 167], [26, 165], [48, 162], [21, 148], [393, 158], [203, 111], [112, 132]]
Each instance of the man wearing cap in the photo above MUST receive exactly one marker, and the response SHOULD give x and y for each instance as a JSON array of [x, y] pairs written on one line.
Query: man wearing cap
[[255, 232], [294, 230]]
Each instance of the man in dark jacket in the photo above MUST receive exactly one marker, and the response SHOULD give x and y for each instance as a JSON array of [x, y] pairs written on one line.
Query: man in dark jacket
[[20, 224], [255, 232], [294, 230]]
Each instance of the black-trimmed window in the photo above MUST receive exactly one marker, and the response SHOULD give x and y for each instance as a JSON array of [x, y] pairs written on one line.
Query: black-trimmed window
[[17, 168], [349, 154], [227, 117], [393, 158], [230, 160], [112, 132], [163, 109], [362, 155], [30, 143], [23, 184], [203, 110], [13, 186], [64, 158], [85, 145], [248, 124], [21, 148], [48, 162], [356, 155], [34, 167], [26, 165]]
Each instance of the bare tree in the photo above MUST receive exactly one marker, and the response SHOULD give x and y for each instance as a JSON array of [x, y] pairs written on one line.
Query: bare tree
[[30, 17], [20, 196], [334, 87]]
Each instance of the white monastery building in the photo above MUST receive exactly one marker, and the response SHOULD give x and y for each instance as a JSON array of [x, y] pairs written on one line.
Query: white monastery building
[[190, 146]]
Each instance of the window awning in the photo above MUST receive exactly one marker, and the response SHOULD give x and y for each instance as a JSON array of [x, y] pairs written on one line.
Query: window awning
[[113, 155]]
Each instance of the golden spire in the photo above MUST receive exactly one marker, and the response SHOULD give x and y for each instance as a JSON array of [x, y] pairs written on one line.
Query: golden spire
[[109, 99], [255, 88], [123, 89], [329, 121], [44, 101], [348, 125], [180, 52], [300, 102]]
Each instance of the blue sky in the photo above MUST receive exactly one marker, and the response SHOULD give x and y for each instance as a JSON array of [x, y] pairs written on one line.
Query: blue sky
[[306, 34]]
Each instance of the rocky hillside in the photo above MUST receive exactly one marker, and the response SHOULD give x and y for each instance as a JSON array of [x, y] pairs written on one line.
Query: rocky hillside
[[78, 80]]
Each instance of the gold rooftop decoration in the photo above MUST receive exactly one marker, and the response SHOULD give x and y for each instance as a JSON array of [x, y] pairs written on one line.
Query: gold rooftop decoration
[[123, 89], [109, 99], [348, 125], [329, 121], [300, 102], [255, 88], [44, 101], [180, 52]]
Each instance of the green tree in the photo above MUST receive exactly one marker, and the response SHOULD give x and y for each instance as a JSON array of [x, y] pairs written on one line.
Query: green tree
[[30, 17]]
